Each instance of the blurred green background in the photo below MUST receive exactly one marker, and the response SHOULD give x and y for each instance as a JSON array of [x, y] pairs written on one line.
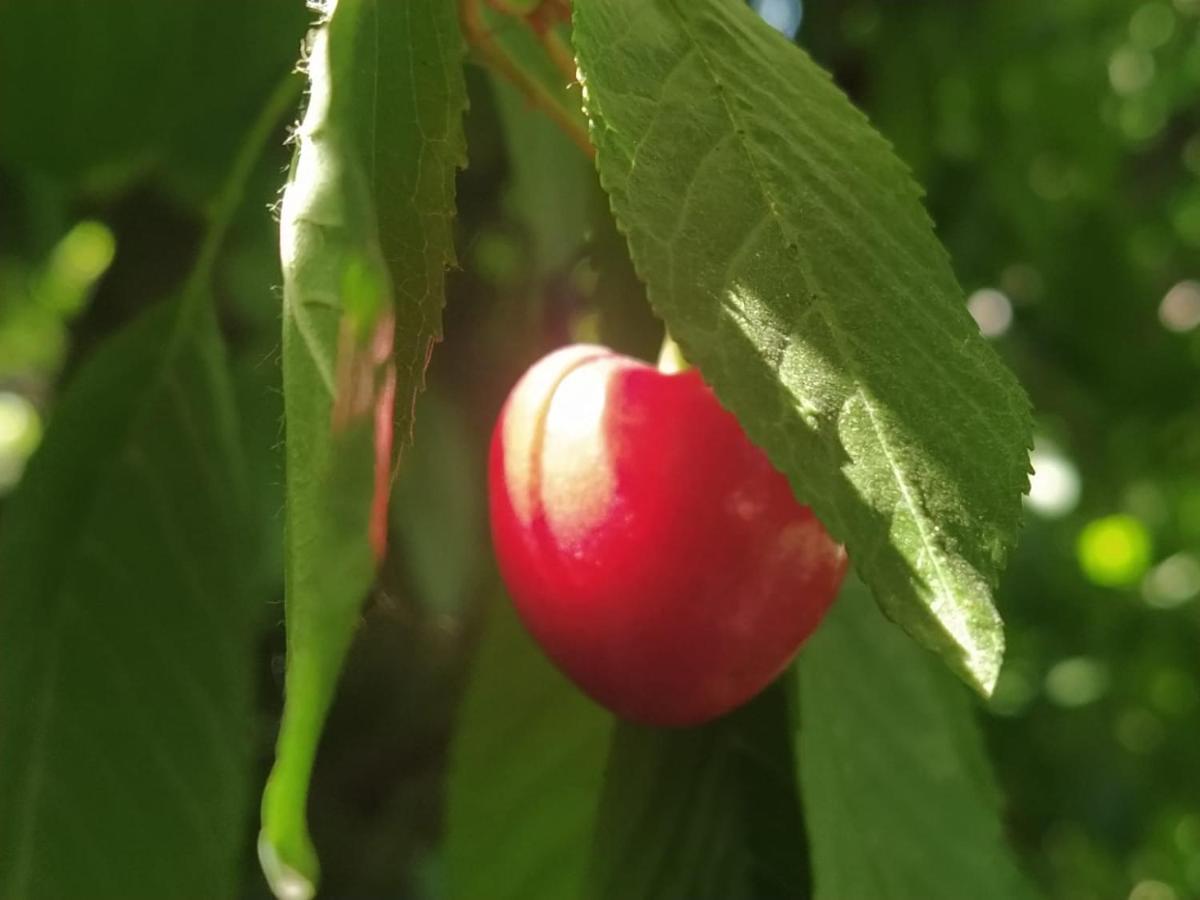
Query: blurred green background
[[1059, 143]]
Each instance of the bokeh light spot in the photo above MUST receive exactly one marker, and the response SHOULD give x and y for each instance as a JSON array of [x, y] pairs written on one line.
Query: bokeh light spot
[[991, 310], [782, 15], [1114, 551], [1180, 308], [1054, 485], [20, 432], [82, 255], [1153, 890], [1152, 25], [1173, 582], [1077, 681], [1130, 69]]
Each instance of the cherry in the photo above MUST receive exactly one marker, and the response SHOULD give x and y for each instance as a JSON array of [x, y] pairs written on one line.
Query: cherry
[[650, 548]]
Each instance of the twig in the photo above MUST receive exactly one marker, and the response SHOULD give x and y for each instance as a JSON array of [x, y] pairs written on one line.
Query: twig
[[542, 21], [535, 92], [558, 51]]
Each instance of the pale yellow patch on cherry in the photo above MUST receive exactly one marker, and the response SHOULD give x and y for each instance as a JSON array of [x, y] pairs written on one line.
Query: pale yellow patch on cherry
[[551, 454]]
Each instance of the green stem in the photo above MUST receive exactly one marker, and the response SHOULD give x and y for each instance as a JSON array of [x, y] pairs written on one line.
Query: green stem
[[499, 60]]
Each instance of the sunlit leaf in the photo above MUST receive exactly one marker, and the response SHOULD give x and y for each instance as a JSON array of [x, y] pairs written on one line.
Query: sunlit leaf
[[786, 248], [364, 240]]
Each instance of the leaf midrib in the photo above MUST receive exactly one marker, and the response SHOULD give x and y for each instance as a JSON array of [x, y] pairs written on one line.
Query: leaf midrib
[[823, 309]]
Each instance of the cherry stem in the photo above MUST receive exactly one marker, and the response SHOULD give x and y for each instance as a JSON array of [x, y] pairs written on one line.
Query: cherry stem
[[671, 360], [537, 94]]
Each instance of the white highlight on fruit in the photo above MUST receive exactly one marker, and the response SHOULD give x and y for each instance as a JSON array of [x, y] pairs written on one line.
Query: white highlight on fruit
[[577, 477], [553, 450]]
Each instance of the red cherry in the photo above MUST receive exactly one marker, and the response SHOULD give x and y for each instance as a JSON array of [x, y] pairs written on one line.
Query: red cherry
[[651, 549]]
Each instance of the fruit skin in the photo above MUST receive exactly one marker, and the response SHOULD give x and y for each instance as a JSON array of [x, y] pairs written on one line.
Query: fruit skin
[[651, 549]]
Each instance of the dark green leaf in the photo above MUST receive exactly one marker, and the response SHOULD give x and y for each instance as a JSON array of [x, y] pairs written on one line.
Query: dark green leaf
[[896, 788], [437, 509], [97, 93], [510, 45], [126, 631], [365, 240], [551, 184], [787, 250], [699, 813], [525, 774]]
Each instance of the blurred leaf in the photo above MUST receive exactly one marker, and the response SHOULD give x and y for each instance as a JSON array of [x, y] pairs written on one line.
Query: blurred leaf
[[126, 630], [37, 306], [437, 509], [897, 793], [365, 239], [256, 387], [98, 93], [525, 774], [787, 250], [708, 812], [543, 67], [551, 182]]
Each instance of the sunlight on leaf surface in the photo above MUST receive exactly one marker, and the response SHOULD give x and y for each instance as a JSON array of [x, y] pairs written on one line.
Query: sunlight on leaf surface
[[787, 250]]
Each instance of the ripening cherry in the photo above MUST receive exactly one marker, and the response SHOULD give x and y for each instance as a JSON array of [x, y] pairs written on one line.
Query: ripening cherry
[[652, 550]]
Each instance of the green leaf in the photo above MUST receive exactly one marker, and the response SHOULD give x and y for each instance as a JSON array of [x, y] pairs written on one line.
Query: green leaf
[[551, 184], [897, 792], [365, 240], [519, 40], [126, 631], [525, 773], [706, 812], [437, 509], [786, 248], [512, 50], [100, 93]]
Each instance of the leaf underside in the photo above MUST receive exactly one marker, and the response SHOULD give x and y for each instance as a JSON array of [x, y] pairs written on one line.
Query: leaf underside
[[365, 238], [788, 252]]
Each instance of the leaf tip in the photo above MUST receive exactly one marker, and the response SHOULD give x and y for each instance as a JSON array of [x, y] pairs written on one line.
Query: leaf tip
[[979, 665], [286, 881]]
